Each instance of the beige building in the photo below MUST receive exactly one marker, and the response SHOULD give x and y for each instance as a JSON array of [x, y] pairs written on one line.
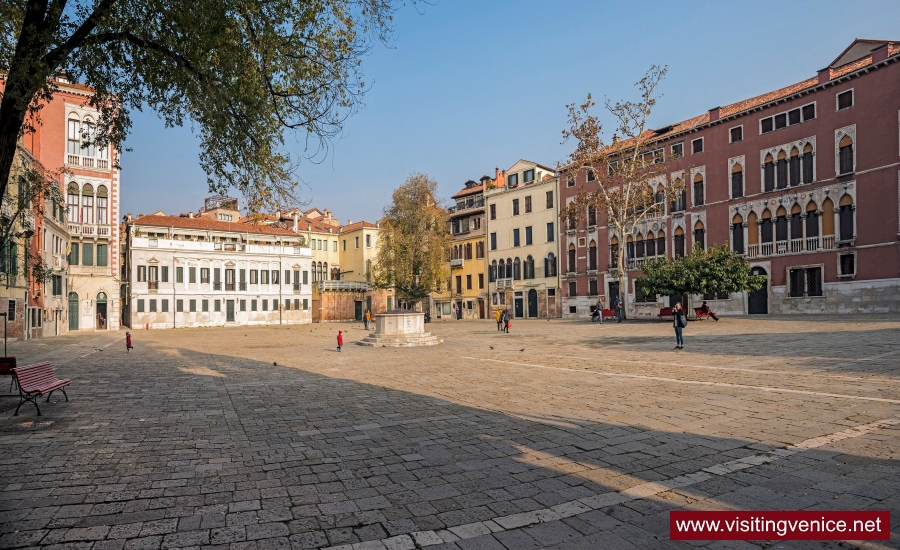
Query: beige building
[[523, 257]]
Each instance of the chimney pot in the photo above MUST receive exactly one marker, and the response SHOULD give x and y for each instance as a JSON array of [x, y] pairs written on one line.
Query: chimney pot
[[880, 54], [824, 75]]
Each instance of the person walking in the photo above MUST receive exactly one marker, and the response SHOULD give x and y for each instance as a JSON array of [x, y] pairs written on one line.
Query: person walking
[[680, 322], [599, 311], [506, 322], [617, 305], [368, 317], [458, 313], [340, 340], [499, 316]]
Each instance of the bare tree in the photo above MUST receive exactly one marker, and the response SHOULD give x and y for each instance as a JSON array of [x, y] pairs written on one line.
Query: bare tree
[[628, 175]]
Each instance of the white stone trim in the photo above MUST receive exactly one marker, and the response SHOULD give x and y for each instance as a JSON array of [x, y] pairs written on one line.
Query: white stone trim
[[740, 159], [787, 147], [702, 171], [838, 136]]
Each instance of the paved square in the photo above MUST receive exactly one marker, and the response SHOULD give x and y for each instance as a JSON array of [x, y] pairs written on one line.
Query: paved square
[[563, 434]]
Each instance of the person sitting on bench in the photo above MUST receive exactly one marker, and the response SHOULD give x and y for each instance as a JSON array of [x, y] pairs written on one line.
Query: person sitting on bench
[[704, 309]]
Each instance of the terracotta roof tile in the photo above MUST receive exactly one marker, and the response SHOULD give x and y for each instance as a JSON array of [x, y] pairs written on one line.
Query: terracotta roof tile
[[357, 225], [466, 191]]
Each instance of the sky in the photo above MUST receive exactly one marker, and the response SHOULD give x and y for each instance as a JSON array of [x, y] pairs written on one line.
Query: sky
[[469, 85]]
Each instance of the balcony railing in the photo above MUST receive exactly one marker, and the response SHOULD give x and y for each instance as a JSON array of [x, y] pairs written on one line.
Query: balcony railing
[[458, 262], [296, 287], [828, 242], [793, 246], [87, 162], [797, 245], [767, 249], [781, 247], [89, 229], [351, 286], [229, 287], [217, 286], [242, 286], [153, 285], [505, 283], [467, 206], [637, 262], [752, 250]]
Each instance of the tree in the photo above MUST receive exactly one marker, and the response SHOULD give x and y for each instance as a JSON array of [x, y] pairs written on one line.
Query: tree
[[717, 270], [414, 242], [631, 177], [245, 72]]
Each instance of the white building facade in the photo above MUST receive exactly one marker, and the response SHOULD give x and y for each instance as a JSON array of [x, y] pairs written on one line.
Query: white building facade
[[197, 272]]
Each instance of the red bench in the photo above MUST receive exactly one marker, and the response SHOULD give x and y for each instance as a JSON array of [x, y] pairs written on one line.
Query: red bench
[[608, 313], [666, 313], [700, 315], [36, 380]]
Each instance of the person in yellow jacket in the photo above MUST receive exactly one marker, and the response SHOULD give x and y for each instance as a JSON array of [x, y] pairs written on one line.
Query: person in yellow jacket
[[499, 317]]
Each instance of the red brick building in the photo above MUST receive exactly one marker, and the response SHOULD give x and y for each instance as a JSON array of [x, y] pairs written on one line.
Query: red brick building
[[803, 181]]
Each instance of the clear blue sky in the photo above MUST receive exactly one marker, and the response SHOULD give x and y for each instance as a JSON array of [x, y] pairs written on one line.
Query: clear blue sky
[[473, 84]]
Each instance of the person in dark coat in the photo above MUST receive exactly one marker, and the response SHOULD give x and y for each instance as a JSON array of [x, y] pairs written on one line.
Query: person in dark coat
[[617, 305], [506, 320], [679, 323], [704, 309]]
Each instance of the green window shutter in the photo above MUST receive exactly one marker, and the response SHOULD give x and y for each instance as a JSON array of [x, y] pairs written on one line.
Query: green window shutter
[[87, 254], [102, 255]]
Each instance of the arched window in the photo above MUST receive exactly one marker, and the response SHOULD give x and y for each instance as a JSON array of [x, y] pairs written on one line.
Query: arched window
[[846, 214], [74, 137], [752, 229], [492, 274], [737, 182], [629, 249], [812, 221], [782, 170], [781, 225], [87, 203], [102, 205], [468, 255], [769, 173], [698, 190], [678, 241], [517, 269], [614, 252], [846, 155], [324, 271], [737, 234], [796, 224], [808, 163], [660, 198], [592, 217], [88, 134], [592, 256], [766, 227], [639, 251], [827, 217], [73, 212], [795, 167], [501, 270], [479, 249], [529, 267], [699, 235], [650, 245], [550, 265], [571, 266], [661, 243], [678, 203]]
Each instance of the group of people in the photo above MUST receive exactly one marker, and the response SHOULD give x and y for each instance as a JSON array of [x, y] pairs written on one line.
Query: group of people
[[503, 323], [597, 315]]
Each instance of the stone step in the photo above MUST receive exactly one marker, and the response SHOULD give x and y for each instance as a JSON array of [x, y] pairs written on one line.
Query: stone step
[[399, 341]]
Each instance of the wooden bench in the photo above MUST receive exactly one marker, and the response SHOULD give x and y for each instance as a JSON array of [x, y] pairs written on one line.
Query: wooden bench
[[666, 313], [608, 313], [35, 381], [700, 315], [7, 364]]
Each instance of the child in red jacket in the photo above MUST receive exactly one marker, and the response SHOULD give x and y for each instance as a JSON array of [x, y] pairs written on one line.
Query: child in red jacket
[[340, 339]]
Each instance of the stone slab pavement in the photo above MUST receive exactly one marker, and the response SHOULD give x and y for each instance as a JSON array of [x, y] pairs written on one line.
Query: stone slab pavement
[[563, 434]]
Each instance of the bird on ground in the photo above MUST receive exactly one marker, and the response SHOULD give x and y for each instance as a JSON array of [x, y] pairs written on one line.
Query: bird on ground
[[523, 349], [275, 363], [492, 347]]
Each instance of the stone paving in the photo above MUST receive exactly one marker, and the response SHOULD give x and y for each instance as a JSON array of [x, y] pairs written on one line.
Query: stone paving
[[562, 434]]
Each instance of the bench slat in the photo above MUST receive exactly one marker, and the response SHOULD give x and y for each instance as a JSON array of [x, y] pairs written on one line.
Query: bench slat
[[39, 378]]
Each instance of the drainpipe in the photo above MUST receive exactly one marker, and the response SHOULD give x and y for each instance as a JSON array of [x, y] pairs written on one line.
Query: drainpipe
[[281, 283]]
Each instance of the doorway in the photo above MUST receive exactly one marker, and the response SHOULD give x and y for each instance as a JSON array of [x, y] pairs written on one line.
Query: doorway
[[613, 292], [229, 311], [73, 311], [358, 310], [480, 308], [683, 298], [519, 306], [101, 322], [532, 303], [758, 300]]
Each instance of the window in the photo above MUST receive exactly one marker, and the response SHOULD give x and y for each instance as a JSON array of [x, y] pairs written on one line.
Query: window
[[845, 154], [641, 294], [737, 235], [678, 150], [73, 254], [142, 273], [512, 180], [845, 212], [549, 199], [204, 305], [265, 305], [305, 304], [845, 100], [736, 134], [789, 118], [263, 276], [805, 281], [153, 276], [847, 265], [459, 284], [573, 289], [769, 174], [274, 276], [528, 235], [680, 201], [678, 242], [254, 277], [479, 249], [699, 235], [591, 176], [793, 117], [515, 205], [809, 112], [192, 305], [140, 306], [179, 305], [570, 182], [179, 274], [550, 265], [592, 287], [592, 256], [297, 304], [493, 241], [766, 125], [551, 232], [344, 245], [528, 176], [795, 167], [204, 275], [781, 121], [493, 210], [468, 282], [74, 137], [153, 306], [807, 161], [305, 276], [87, 254], [356, 241], [242, 305], [571, 266], [698, 190], [528, 204], [368, 241], [253, 305], [781, 171], [528, 268], [697, 146], [480, 281], [516, 237]]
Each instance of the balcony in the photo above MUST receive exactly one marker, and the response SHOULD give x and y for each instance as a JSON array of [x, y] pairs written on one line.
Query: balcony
[[797, 245], [766, 249], [152, 285], [229, 287], [89, 229], [296, 287], [505, 283], [634, 263], [28, 220], [458, 262], [793, 246], [349, 286], [217, 286], [59, 261], [87, 162], [7, 209], [242, 286], [468, 205]]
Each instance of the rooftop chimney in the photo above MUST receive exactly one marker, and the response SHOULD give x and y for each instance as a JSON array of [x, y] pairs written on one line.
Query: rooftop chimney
[[349, 222], [880, 54], [296, 219], [824, 75], [714, 114]]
